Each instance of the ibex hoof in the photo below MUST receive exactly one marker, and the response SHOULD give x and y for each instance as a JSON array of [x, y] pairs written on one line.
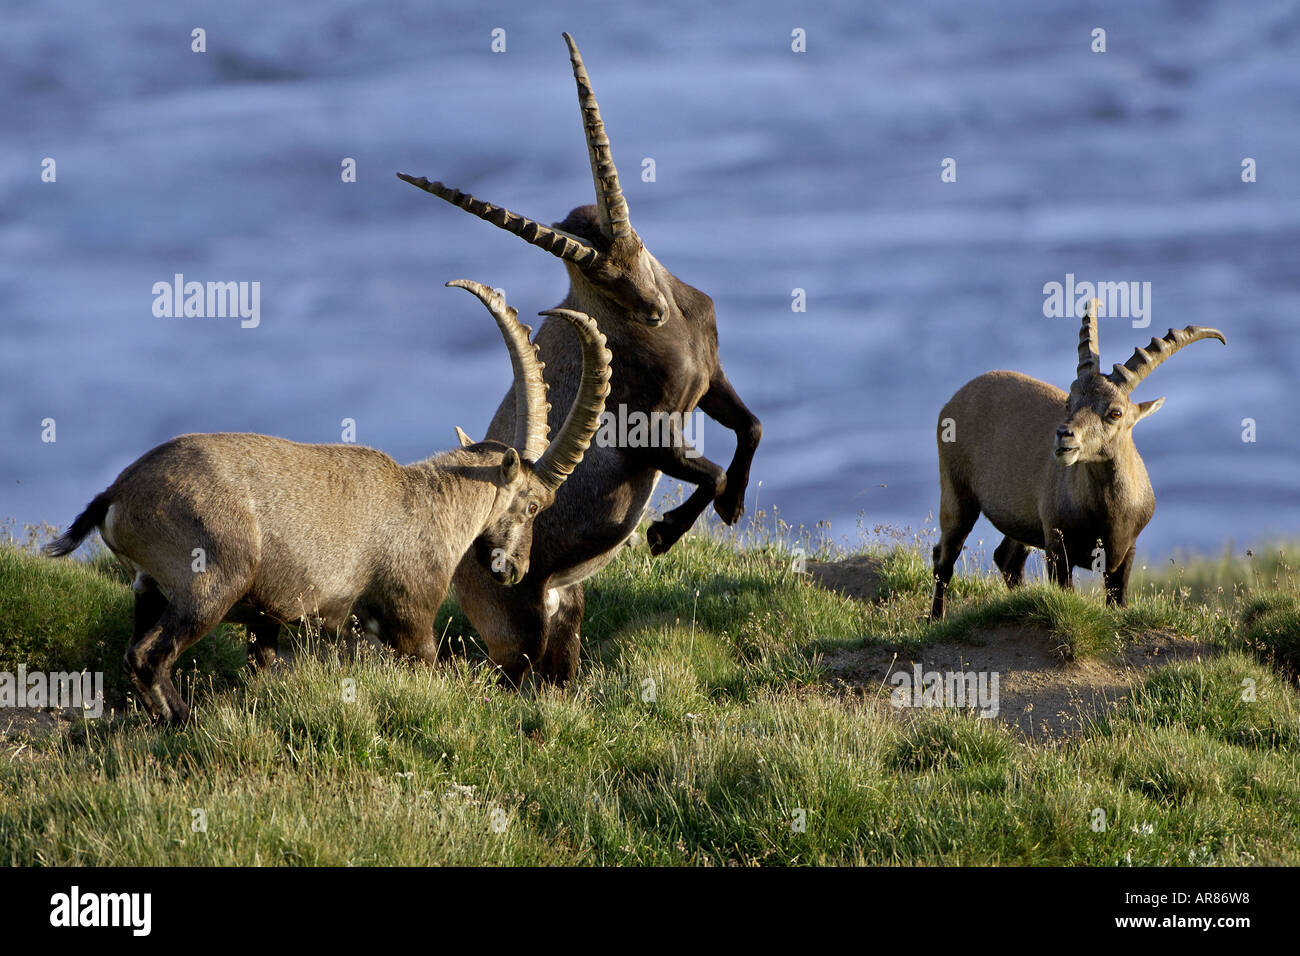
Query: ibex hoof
[[172, 715], [659, 538], [729, 510]]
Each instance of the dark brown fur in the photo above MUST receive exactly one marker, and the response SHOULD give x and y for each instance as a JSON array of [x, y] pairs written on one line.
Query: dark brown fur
[[664, 338], [672, 366]]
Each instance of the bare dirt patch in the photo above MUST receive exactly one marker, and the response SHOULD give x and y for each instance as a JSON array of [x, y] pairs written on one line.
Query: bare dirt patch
[[856, 577], [1041, 694], [26, 723]]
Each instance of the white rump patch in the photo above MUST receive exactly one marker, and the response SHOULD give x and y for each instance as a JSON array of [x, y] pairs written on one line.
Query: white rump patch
[[106, 529]]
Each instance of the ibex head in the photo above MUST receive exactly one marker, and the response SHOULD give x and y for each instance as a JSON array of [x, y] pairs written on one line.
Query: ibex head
[[530, 471], [1099, 415], [597, 243]]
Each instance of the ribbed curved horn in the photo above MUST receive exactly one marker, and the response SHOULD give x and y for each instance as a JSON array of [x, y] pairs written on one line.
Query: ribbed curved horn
[[1145, 360], [559, 244], [566, 451], [1089, 357], [614, 219], [531, 406]]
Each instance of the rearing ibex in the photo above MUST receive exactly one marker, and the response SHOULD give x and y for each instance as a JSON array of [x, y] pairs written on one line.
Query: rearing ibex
[[664, 337], [1050, 470], [262, 531]]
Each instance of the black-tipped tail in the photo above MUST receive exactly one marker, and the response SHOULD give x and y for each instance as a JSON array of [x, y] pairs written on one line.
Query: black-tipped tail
[[86, 522]]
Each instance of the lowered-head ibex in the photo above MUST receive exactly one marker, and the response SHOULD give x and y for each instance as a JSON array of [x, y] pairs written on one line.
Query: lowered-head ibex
[[262, 531], [1050, 470], [664, 337]]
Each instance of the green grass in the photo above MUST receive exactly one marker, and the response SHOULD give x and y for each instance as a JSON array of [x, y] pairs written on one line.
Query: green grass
[[1271, 630], [70, 616], [700, 732]]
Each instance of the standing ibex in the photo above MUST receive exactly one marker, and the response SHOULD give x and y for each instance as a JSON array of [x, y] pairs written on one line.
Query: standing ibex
[[259, 531], [1049, 470], [665, 340]]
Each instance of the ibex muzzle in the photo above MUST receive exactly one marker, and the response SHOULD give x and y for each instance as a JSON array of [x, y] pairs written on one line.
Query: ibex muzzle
[[1050, 470], [262, 531], [663, 334]]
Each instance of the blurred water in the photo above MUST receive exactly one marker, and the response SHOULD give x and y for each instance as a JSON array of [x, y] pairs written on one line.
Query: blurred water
[[775, 170]]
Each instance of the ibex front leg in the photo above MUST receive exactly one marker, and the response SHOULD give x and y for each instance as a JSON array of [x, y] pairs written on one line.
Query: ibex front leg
[[723, 405], [679, 460], [1059, 568], [1117, 580]]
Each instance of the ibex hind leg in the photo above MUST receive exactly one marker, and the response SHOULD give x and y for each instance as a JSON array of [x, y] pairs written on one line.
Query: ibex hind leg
[[150, 603], [263, 644], [1010, 558], [957, 516], [153, 654], [559, 663]]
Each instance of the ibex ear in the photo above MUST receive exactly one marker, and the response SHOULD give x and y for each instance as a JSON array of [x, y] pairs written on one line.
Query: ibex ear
[[510, 467], [1149, 408], [465, 440]]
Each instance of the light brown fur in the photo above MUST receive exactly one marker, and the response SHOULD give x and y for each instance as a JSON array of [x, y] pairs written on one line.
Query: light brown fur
[[263, 531], [1050, 470]]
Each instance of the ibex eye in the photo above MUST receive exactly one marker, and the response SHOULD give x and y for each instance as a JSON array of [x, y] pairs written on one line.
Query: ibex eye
[[1115, 414], [532, 509]]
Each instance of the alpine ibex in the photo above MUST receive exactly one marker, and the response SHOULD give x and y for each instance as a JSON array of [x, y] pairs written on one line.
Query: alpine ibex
[[262, 531], [1049, 470], [664, 336]]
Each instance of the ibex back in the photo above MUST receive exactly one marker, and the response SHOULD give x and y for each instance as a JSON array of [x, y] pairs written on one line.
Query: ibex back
[[663, 335]]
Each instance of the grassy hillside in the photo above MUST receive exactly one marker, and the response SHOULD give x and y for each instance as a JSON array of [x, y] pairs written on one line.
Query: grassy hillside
[[704, 729]]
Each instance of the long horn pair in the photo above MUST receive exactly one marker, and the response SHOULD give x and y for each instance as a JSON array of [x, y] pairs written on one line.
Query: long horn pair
[[554, 461], [615, 222], [1144, 360]]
